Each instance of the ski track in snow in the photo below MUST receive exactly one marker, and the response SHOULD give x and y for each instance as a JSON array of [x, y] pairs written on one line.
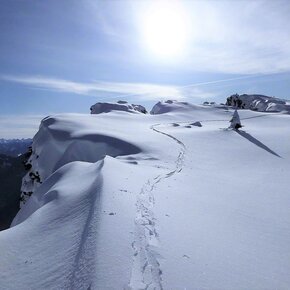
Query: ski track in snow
[[146, 272]]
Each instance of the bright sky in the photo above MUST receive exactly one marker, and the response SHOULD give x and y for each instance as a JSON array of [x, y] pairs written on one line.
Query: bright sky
[[63, 56]]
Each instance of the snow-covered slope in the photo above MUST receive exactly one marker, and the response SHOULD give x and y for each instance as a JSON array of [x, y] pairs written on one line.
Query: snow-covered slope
[[165, 201], [171, 106], [69, 138], [259, 103]]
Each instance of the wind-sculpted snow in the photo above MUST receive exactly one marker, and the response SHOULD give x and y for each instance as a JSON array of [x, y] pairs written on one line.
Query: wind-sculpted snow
[[55, 146], [122, 203], [172, 106], [49, 190], [61, 227]]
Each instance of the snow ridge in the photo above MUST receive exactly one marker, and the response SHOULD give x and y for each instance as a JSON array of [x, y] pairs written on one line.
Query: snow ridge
[[146, 272], [81, 273]]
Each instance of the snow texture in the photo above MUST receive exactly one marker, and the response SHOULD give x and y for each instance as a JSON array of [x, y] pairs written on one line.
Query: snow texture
[[171, 106], [99, 108], [172, 200]]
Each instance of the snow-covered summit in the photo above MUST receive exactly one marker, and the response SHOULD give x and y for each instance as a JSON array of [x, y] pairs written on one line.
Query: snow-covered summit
[[162, 201], [259, 103], [168, 106], [101, 107], [61, 140]]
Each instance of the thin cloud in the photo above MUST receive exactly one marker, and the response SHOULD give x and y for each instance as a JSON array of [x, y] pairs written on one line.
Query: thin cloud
[[236, 37], [144, 91], [244, 37], [219, 81], [19, 126], [51, 83], [151, 91]]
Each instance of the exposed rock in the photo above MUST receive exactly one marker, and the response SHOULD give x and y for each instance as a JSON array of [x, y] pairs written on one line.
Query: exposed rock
[[259, 103]]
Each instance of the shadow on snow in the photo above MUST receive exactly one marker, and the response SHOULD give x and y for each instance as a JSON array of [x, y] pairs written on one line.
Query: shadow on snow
[[256, 142]]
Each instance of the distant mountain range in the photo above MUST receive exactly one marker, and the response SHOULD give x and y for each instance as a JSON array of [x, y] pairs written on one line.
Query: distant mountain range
[[14, 147]]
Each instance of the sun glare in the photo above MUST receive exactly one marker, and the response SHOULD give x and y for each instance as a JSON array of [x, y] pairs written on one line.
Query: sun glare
[[165, 28]]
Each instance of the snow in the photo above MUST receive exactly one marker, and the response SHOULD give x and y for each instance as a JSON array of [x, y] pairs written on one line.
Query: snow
[[171, 106], [99, 108], [229, 228], [172, 200]]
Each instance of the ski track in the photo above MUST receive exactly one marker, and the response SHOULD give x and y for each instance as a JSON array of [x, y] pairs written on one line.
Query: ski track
[[146, 272]]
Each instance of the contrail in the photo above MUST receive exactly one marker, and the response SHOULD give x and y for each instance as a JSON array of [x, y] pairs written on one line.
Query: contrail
[[219, 81]]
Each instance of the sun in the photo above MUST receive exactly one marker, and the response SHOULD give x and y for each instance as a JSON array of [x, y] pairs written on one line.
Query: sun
[[165, 28]]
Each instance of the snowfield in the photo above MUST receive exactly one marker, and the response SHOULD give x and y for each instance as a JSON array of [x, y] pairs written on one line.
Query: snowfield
[[170, 200]]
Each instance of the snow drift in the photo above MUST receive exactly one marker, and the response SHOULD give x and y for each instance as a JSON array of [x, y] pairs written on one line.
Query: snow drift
[[171, 106], [191, 204], [56, 145]]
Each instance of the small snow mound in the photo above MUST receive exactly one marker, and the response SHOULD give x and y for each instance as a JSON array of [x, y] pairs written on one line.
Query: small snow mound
[[53, 188], [171, 106], [124, 106]]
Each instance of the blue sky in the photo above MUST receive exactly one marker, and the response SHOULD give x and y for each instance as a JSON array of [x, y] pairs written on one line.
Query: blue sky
[[63, 56]]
